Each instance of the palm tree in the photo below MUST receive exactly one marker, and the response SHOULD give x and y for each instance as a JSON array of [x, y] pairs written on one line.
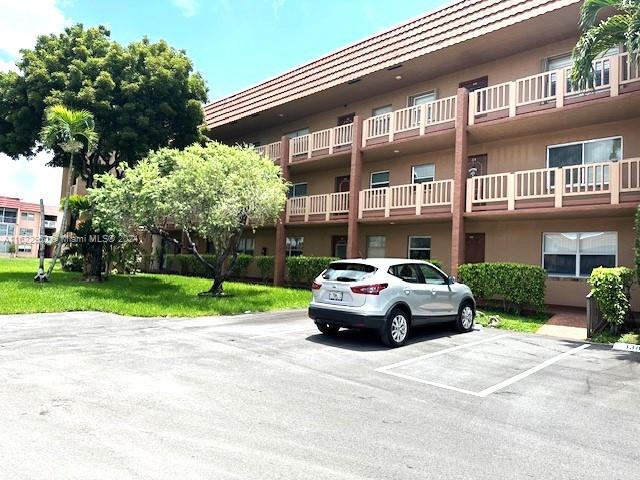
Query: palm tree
[[622, 27], [71, 131]]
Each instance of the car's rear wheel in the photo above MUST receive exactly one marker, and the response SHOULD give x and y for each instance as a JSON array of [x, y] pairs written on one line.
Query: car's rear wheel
[[466, 316], [327, 329], [396, 328]]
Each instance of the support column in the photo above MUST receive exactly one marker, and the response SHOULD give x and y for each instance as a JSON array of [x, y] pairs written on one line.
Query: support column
[[281, 233], [355, 182], [461, 154]]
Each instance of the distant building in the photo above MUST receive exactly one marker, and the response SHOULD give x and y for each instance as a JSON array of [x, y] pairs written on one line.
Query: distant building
[[20, 226]]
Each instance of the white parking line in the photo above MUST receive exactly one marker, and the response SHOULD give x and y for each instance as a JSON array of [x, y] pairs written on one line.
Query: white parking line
[[487, 391]]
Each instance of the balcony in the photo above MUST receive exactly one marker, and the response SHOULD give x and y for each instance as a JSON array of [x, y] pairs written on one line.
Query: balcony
[[323, 142], [402, 200], [612, 76], [318, 208], [271, 151], [590, 184], [409, 122]]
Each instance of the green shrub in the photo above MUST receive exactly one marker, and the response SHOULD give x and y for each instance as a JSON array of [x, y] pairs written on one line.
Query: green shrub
[[266, 264], [515, 285], [72, 263], [303, 270], [610, 287], [241, 266], [436, 262]]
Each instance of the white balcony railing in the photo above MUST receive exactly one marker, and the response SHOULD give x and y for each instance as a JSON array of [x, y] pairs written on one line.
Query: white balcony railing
[[417, 117], [610, 73], [328, 140], [417, 196], [607, 178], [271, 150], [326, 205]]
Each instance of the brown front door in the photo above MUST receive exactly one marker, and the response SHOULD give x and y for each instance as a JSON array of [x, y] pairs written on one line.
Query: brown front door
[[339, 246], [342, 183], [474, 248], [477, 165], [475, 84]]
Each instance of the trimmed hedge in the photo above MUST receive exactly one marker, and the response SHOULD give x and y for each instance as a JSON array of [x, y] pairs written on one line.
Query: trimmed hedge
[[610, 287], [188, 264], [266, 265], [303, 270], [516, 285]]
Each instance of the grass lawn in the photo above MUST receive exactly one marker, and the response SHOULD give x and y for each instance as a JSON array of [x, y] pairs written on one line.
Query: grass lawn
[[145, 295], [509, 321]]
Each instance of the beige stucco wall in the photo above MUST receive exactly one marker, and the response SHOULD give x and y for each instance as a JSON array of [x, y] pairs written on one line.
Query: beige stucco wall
[[521, 241]]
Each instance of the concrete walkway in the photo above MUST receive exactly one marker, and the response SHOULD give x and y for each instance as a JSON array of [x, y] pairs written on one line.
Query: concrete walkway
[[566, 322]]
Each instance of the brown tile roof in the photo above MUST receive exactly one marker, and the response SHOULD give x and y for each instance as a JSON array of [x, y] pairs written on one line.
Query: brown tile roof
[[12, 202], [450, 25]]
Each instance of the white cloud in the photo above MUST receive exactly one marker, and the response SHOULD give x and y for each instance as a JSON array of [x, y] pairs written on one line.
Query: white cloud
[[30, 180], [189, 8], [22, 21]]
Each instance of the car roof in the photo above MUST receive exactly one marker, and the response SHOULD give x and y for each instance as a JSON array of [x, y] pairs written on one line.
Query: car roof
[[380, 262]]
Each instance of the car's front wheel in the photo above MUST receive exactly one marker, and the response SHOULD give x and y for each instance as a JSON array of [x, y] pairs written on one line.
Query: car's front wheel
[[466, 315], [327, 329], [396, 328]]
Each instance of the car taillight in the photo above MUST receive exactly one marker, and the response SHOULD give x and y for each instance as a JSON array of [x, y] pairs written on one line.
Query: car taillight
[[315, 286], [370, 289]]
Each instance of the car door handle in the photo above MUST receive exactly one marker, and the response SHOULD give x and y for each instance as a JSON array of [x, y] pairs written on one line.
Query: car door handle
[[433, 291], [407, 291]]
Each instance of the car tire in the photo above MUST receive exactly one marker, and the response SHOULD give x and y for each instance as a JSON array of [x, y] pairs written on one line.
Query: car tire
[[396, 328], [466, 317], [327, 329]]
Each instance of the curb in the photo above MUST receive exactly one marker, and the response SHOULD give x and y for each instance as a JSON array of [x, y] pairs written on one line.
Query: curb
[[626, 347]]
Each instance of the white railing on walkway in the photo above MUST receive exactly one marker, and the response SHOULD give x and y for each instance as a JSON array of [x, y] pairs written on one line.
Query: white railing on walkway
[[417, 196], [327, 139], [607, 178], [417, 117], [327, 204], [271, 150]]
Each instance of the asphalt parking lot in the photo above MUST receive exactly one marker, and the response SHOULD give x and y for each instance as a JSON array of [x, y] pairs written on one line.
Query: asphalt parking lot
[[90, 395]]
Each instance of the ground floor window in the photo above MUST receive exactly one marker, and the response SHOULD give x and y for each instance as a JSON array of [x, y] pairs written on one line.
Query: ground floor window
[[419, 248], [295, 246], [246, 246], [7, 229], [4, 247], [576, 254], [376, 246], [24, 248]]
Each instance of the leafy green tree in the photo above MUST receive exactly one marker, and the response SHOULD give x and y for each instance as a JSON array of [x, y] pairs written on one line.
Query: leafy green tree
[[143, 96], [73, 131], [622, 27], [213, 191]]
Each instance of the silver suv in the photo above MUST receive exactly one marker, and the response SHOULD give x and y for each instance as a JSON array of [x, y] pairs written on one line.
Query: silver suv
[[389, 295]]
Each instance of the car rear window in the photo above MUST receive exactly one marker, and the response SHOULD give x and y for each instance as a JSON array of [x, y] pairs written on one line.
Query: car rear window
[[347, 272]]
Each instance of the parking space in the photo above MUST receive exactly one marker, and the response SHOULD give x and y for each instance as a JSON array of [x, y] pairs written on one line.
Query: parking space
[[91, 395]]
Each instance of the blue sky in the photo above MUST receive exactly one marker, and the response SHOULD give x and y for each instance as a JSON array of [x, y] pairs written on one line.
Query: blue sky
[[234, 44]]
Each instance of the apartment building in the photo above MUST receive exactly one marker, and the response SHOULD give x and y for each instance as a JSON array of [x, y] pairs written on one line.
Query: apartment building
[[456, 136], [20, 226]]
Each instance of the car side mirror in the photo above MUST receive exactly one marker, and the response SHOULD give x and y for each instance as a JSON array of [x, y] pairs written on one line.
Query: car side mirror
[[452, 279]]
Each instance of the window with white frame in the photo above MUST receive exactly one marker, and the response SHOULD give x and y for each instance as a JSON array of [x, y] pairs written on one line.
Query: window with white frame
[[26, 232], [419, 248], [7, 229], [298, 190], [30, 217], [297, 133], [294, 246], [8, 215], [246, 246], [576, 254], [376, 246], [598, 150], [421, 98], [423, 173], [379, 179], [381, 110], [24, 248], [4, 246]]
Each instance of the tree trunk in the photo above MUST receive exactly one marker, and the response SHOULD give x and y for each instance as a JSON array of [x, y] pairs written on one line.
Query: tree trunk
[[41, 276], [95, 263], [64, 222]]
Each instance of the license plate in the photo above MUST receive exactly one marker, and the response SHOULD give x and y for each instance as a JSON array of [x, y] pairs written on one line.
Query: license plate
[[336, 296]]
